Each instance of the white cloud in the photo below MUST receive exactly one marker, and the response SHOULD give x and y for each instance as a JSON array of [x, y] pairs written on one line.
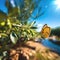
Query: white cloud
[[39, 27]]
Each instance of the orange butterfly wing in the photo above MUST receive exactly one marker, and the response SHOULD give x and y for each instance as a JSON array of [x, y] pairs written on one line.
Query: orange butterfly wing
[[45, 32]]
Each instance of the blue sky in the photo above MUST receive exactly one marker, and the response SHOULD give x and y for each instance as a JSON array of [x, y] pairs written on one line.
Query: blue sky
[[2, 5], [50, 17]]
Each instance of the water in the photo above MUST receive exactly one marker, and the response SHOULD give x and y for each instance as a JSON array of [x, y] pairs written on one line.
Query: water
[[51, 45]]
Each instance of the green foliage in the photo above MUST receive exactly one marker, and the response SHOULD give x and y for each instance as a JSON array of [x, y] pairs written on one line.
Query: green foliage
[[56, 31], [14, 25], [13, 37], [11, 27], [22, 9]]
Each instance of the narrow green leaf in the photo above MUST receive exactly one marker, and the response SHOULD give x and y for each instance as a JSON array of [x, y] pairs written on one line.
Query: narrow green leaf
[[9, 23], [32, 23], [33, 27]]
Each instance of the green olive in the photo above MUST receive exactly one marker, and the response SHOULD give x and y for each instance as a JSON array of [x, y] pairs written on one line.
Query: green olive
[[2, 23]]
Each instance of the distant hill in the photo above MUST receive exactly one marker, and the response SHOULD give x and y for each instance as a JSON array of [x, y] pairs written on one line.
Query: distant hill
[[55, 31]]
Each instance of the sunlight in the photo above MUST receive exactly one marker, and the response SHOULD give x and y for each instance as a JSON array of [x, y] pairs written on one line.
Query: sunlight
[[12, 2], [57, 3], [39, 27]]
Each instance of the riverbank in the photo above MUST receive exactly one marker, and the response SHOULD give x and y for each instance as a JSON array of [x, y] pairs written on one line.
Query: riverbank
[[32, 51]]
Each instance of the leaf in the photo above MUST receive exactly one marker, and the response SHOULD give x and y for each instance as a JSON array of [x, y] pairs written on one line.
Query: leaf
[[9, 23], [5, 53], [32, 23], [3, 35], [33, 27], [32, 32], [12, 11], [3, 15], [13, 38]]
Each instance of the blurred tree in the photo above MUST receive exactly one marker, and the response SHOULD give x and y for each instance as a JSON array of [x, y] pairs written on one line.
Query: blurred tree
[[15, 20], [14, 25], [19, 11], [55, 31], [23, 9]]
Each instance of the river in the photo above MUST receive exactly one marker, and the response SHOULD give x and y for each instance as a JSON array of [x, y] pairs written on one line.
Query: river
[[53, 46]]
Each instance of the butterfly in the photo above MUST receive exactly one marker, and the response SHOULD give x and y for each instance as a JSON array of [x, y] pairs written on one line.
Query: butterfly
[[45, 32]]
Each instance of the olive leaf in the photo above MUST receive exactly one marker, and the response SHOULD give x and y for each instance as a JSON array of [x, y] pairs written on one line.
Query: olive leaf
[[3, 15], [13, 38]]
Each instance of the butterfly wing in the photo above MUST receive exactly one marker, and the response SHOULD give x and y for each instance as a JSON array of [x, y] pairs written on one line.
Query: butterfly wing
[[45, 32]]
